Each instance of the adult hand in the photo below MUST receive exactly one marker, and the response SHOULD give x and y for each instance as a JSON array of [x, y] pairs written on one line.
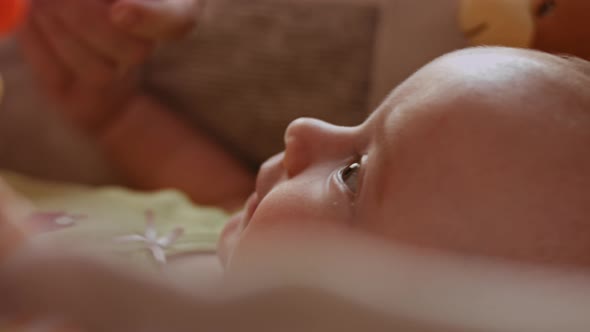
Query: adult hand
[[156, 19], [85, 53]]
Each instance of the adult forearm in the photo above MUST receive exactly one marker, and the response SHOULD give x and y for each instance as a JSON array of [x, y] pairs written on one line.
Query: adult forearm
[[154, 149]]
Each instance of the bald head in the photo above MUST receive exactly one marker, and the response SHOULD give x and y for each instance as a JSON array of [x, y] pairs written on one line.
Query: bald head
[[491, 156]]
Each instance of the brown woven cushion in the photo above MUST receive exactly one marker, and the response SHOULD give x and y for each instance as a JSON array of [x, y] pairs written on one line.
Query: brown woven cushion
[[255, 65]]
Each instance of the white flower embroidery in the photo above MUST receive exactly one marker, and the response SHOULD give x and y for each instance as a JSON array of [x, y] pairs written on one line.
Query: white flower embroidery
[[155, 244], [42, 222]]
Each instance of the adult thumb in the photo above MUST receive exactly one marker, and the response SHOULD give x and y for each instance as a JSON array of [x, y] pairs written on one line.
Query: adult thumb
[[156, 19]]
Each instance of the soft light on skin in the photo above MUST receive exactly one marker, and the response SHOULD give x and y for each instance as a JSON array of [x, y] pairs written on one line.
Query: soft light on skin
[[480, 159]]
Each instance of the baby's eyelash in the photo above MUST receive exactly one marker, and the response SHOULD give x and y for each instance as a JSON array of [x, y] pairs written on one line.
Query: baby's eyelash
[[348, 170], [349, 174]]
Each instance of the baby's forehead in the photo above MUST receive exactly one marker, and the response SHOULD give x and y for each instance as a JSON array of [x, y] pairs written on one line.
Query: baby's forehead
[[492, 79], [503, 68], [489, 84], [487, 91]]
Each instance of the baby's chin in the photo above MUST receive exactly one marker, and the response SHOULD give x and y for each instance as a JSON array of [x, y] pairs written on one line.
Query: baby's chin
[[229, 238]]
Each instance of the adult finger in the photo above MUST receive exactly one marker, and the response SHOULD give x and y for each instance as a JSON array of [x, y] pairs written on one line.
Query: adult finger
[[53, 76], [88, 20], [156, 19], [91, 108], [78, 58]]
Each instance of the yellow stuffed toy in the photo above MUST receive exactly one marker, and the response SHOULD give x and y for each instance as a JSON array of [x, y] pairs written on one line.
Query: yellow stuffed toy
[[497, 22], [555, 26]]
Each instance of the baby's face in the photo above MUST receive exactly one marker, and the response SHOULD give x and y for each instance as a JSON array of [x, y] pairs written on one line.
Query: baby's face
[[482, 152]]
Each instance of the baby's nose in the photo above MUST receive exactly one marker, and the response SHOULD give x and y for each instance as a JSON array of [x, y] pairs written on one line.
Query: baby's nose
[[310, 140]]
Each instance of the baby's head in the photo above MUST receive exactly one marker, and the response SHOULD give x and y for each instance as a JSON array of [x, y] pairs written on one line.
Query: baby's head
[[482, 152]]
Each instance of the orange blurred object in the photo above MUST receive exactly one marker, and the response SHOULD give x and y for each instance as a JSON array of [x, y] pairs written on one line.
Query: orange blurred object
[[12, 13]]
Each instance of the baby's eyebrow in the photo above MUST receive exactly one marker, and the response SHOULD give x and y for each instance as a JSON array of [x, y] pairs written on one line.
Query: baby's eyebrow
[[381, 120], [380, 141], [379, 131]]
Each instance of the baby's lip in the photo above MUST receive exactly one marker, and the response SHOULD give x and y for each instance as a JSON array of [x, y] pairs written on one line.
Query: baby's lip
[[250, 209], [229, 237], [234, 227], [269, 176]]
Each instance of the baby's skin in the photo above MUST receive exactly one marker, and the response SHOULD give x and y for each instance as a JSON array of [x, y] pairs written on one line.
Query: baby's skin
[[481, 153]]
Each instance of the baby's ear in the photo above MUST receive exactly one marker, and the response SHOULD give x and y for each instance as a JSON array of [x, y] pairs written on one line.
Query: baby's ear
[[562, 27]]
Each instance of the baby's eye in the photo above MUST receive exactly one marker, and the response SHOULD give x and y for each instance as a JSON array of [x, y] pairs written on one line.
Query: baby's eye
[[349, 176]]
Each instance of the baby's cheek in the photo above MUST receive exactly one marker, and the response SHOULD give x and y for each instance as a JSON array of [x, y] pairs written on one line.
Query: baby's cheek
[[296, 202], [278, 208]]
